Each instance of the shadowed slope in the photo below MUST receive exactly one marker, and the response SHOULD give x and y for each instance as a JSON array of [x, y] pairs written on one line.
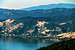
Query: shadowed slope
[[65, 45]]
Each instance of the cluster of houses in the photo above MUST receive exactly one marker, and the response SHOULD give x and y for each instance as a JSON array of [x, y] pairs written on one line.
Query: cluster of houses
[[42, 31], [9, 26], [39, 30]]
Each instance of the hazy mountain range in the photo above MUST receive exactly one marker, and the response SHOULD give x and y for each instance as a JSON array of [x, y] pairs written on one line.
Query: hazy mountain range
[[51, 6], [39, 11]]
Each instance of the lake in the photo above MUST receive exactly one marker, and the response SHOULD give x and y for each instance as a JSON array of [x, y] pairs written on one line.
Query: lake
[[22, 44]]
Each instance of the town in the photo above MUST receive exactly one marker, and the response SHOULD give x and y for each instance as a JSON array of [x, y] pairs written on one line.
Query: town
[[40, 31]]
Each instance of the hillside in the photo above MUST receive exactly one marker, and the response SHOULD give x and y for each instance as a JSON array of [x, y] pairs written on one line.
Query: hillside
[[54, 16], [64, 45]]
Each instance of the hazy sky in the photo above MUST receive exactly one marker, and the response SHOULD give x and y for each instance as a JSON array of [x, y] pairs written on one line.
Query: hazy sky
[[12, 4]]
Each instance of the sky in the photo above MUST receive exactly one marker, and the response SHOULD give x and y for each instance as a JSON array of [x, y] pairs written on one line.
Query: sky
[[17, 4]]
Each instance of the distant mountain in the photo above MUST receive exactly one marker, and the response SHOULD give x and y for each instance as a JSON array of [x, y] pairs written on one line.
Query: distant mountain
[[51, 10], [50, 6], [6, 13]]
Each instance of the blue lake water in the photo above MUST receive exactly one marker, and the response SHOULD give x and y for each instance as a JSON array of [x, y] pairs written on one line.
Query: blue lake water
[[22, 44]]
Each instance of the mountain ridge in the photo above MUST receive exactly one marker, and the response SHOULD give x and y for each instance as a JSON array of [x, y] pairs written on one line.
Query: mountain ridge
[[50, 6]]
